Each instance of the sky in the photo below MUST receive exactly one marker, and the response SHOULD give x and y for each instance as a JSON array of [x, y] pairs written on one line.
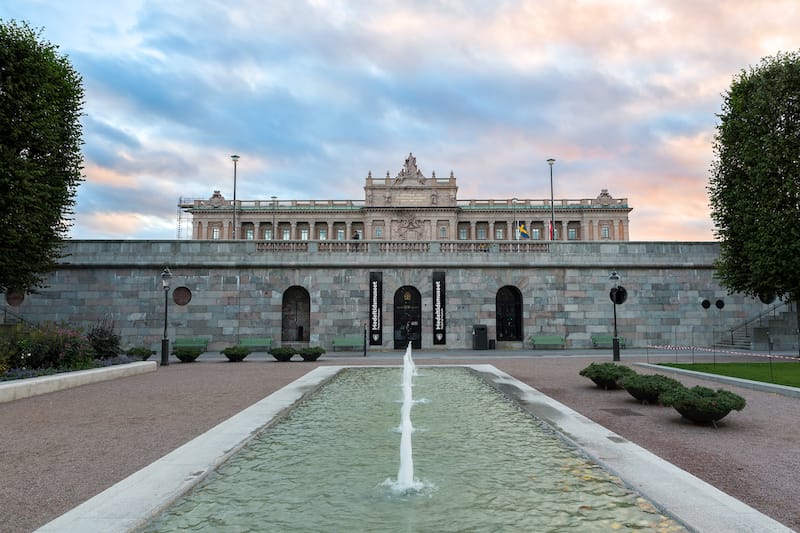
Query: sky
[[315, 94]]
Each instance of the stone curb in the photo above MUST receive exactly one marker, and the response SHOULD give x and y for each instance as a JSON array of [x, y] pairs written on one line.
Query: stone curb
[[25, 388]]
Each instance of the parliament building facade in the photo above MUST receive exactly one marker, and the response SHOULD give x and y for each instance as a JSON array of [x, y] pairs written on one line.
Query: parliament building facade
[[410, 207]]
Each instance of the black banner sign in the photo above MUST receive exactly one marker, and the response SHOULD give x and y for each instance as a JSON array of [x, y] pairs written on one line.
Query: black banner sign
[[439, 311], [375, 308]]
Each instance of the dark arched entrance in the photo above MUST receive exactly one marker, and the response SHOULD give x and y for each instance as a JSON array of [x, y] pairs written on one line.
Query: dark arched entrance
[[295, 315], [508, 304], [407, 318]]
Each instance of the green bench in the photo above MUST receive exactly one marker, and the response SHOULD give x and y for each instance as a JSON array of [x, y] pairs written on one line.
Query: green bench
[[191, 343], [351, 342], [552, 341], [259, 344], [606, 341]]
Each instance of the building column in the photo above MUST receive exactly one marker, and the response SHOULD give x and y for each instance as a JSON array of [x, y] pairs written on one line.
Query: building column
[[293, 231], [491, 230], [472, 235]]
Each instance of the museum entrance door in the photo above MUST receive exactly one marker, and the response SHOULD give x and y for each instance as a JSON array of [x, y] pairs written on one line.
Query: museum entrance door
[[508, 305], [407, 318]]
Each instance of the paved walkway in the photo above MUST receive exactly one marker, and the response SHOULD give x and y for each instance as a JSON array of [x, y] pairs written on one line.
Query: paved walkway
[[59, 449]]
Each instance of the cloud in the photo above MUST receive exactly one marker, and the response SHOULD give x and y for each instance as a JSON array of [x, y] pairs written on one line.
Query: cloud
[[314, 94]]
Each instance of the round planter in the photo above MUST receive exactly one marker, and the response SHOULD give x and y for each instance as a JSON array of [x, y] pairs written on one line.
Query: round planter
[[701, 416], [643, 396]]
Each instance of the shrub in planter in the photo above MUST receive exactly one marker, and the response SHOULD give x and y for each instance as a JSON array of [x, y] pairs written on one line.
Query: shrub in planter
[[140, 352], [606, 375], [282, 353], [647, 388], [311, 353], [186, 354], [701, 404], [236, 353]]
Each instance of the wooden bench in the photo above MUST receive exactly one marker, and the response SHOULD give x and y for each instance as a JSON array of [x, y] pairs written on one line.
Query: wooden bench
[[259, 344], [191, 343], [540, 341], [352, 342], [606, 341]]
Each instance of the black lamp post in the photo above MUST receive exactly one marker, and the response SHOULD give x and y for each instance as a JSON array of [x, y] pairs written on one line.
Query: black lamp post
[[514, 216], [552, 203], [274, 230], [618, 295], [166, 275], [235, 159]]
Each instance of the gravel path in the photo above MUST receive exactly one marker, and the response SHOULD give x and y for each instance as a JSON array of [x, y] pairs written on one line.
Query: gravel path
[[59, 449]]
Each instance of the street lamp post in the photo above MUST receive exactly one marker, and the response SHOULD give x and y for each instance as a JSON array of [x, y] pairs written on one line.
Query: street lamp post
[[166, 275], [235, 159], [274, 229], [552, 202], [618, 295], [514, 215]]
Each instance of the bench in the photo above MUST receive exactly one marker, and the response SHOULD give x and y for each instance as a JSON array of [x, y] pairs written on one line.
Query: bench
[[351, 342], [191, 343], [540, 341], [259, 344], [606, 341]]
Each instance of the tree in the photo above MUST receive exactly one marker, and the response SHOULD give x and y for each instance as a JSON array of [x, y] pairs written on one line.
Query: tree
[[41, 100], [755, 180]]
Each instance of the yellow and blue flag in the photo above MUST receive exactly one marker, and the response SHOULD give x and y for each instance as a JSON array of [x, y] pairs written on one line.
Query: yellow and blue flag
[[523, 231]]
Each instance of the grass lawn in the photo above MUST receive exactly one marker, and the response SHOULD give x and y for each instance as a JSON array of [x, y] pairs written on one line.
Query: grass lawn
[[783, 373]]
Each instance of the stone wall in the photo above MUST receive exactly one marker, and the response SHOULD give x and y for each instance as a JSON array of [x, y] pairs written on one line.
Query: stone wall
[[237, 289]]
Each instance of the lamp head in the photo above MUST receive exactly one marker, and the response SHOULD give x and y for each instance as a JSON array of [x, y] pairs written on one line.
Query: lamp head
[[551, 161], [166, 275], [614, 278], [234, 158]]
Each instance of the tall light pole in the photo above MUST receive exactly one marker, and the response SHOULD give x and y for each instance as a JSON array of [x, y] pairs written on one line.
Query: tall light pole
[[618, 295], [514, 214], [552, 202], [274, 229], [235, 159], [166, 275]]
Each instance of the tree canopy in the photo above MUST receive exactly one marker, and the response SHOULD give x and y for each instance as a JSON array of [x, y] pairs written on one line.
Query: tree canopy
[[755, 180], [41, 100]]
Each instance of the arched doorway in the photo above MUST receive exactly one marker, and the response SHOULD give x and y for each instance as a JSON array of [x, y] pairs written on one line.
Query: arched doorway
[[407, 318], [295, 315], [508, 305]]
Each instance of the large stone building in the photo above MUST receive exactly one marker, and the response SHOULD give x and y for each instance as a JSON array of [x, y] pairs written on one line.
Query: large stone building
[[427, 269], [410, 207]]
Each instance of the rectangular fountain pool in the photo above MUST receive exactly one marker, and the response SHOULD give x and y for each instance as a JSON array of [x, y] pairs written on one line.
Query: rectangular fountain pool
[[482, 463]]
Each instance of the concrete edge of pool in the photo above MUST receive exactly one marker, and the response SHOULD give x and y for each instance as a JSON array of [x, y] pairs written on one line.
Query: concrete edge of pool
[[134, 501]]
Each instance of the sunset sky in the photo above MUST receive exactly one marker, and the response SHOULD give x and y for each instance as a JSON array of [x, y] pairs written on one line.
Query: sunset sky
[[314, 94]]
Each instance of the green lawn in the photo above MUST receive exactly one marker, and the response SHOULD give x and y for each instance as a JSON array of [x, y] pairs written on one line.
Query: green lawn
[[784, 373]]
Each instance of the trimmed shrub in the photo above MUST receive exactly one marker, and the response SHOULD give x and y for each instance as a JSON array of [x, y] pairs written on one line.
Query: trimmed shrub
[[282, 353], [648, 387], [140, 352], [187, 354], [311, 353], [606, 375], [701, 404], [236, 353]]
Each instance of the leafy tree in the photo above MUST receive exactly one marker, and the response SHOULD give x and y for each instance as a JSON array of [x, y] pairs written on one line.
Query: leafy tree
[[41, 100], [755, 180]]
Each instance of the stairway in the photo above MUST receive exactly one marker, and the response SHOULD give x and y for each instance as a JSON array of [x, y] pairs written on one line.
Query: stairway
[[733, 340]]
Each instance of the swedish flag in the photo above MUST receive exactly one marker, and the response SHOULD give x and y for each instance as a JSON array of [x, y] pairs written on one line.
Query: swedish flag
[[523, 231]]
